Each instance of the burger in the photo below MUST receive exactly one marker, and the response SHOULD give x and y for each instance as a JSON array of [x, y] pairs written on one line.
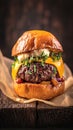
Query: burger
[[38, 66]]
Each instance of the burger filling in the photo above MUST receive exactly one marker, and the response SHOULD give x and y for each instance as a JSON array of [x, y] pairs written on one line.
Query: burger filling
[[38, 66]]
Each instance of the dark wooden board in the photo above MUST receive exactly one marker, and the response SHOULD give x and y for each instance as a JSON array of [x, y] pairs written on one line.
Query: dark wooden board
[[14, 114], [54, 116]]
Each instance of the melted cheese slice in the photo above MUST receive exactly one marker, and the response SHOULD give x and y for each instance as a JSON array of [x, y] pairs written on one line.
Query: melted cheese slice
[[58, 64], [15, 70]]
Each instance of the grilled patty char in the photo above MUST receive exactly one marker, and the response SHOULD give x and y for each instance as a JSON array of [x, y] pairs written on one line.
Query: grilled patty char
[[37, 72]]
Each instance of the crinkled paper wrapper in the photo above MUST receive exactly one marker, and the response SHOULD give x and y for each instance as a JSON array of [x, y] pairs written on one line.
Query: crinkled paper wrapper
[[6, 86]]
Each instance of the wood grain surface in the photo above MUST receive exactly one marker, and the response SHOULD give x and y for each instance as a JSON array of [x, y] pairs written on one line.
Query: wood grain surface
[[37, 114], [14, 114], [54, 116]]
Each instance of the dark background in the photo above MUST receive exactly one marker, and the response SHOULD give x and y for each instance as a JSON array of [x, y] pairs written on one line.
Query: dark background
[[55, 16]]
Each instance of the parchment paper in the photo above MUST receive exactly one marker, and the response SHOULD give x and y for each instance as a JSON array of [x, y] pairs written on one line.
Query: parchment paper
[[6, 86]]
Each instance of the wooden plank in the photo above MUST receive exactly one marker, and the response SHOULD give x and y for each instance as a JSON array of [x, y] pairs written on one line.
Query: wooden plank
[[54, 116], [35, 114], [14, 114]]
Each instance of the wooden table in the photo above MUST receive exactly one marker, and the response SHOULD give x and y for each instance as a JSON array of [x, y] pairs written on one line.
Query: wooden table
[[35, 114]]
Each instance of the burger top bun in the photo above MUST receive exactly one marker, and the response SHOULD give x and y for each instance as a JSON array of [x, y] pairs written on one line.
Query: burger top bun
[[36, 39]]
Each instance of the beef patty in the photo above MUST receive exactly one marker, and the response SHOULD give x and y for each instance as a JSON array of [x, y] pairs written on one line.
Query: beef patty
[[37, 72]]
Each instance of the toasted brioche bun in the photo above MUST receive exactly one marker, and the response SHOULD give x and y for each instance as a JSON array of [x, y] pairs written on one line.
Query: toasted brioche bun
[[36, 39], [40, 91]]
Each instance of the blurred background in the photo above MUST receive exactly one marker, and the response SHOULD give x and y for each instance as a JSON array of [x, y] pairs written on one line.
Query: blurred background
[[55, 16]]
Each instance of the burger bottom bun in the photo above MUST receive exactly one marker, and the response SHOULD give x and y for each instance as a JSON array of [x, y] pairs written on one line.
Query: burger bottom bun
[[40, 91]]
